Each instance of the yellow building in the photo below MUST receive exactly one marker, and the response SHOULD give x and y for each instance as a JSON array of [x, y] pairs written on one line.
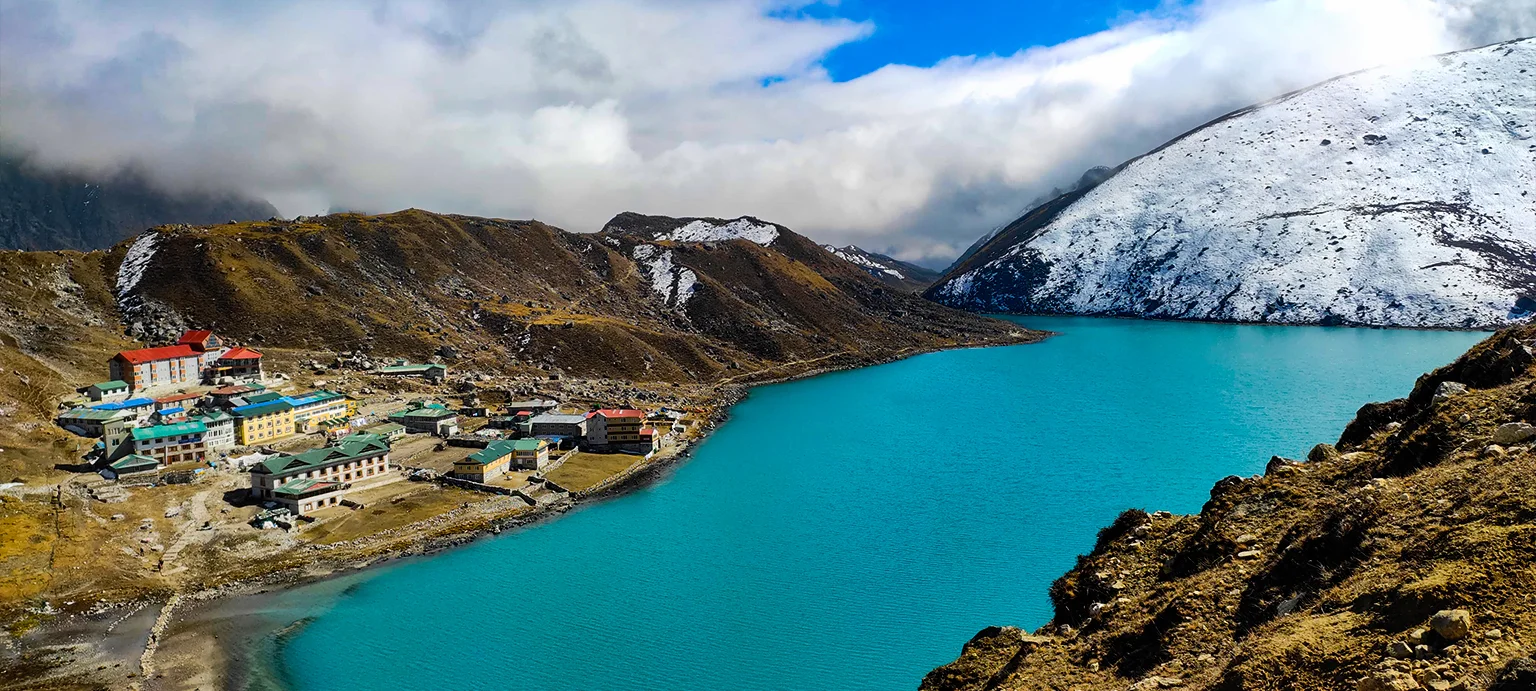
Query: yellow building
[[263, 422], [487, 464]]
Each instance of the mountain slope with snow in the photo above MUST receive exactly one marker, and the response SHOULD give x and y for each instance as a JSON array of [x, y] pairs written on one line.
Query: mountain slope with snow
[[892, 271], [1398, 196]]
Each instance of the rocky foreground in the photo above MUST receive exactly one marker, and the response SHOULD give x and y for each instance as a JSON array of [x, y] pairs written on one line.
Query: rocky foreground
[[1402, 557]]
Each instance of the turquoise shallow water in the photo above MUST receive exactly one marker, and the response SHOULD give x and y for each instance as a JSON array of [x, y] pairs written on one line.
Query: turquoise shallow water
[[851, 531]]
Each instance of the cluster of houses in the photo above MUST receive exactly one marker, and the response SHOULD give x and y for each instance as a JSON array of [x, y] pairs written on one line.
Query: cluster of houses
[[139, 431]]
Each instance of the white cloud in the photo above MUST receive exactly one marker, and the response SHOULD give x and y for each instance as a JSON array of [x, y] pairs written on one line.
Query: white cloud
[[572, 111]]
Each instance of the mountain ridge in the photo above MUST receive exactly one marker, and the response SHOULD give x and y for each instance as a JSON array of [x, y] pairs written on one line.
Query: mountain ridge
[[1201, 236]]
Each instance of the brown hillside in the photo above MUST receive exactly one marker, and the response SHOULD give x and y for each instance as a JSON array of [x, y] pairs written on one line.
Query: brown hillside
[[1318, 575], [523, 294]]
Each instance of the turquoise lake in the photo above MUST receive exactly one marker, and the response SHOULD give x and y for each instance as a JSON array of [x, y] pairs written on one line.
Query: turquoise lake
[[851, 531]]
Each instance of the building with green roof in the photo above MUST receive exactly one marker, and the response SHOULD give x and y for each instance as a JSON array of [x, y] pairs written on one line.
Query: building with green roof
[[530, 454], [90, 422], [114, 390], [130, 464], [318, 478], [489, 463], [168, 444], [432, 418]]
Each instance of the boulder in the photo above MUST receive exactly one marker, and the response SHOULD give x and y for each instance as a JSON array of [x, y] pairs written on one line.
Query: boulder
[[1322, 453], [1448, 389], [1276, 463], [1513, 433], [1388, 681], [1399, 649], [1451, 624]]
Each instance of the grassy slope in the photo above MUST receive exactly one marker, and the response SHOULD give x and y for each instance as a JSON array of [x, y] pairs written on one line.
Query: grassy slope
[[1355, 550]]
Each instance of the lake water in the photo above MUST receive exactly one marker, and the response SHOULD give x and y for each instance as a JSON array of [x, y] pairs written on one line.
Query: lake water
[[851, 531]]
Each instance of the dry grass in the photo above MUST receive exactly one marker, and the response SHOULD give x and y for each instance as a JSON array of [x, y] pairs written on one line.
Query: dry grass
[[584, 470]]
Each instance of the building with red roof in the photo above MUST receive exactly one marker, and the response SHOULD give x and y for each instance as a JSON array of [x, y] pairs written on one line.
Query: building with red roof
[[186, 362], [239, 363], [200, 340], [153, 368], [618, 429]]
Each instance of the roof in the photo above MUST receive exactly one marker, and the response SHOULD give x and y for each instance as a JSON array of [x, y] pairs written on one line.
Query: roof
[[240, 353], [178, 397], [301, 486], [258, 409], [430, 411], [340, 452], [194, 337], [124, 405], [319, 396], [264, 397], [172, 410], [213, 415], [558, 419], [529, 444], [619, 412], [534, 403], [90, 414], [234, 390], [133, 461], [112, 385], [492, 452], [143, 355], [176, 430], [364, 438], [411, 369]]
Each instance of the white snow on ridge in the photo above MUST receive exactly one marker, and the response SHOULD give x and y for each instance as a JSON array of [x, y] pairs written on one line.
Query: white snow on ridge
[[1402, 196], [673, 282], [709, 231], [857, 256], [135, 262]]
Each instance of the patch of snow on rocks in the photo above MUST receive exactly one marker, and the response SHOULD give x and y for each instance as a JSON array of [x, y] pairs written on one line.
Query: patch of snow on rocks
[[136, 261], [673, 282], [1399, 196], [857, 256], [709, 231]]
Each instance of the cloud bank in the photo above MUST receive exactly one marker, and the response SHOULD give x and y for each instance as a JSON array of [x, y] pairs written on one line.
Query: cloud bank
[[571, 111]]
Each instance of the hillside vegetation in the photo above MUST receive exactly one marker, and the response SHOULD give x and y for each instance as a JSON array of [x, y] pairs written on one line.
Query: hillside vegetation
[[1403, 557]]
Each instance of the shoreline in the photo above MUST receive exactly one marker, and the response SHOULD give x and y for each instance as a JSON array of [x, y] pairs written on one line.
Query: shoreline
[[187, 623]]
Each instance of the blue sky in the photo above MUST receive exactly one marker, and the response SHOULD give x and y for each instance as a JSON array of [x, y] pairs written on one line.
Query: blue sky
[[923, 32]]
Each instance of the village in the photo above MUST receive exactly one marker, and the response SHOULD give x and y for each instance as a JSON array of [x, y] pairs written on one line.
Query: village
[[200, 408]]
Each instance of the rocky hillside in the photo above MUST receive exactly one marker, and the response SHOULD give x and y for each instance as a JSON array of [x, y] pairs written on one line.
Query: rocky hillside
[[891, 271], [46, 210], [1396, 196], [699, 305], [1402, 557]]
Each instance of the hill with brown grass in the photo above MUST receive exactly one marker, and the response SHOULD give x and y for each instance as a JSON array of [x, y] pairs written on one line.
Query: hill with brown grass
[[517, 298], [1402, 557]]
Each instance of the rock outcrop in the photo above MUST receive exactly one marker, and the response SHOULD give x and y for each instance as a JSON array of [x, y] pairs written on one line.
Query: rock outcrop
[[1398, 196]]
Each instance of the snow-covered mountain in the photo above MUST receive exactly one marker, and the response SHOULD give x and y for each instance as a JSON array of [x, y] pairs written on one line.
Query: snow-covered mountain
[[895, 272], [1401, 196]]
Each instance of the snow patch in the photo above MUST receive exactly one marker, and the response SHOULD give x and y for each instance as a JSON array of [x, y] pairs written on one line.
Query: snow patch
[[709, 231], [673, 282], [136, 261], [857, 256]]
